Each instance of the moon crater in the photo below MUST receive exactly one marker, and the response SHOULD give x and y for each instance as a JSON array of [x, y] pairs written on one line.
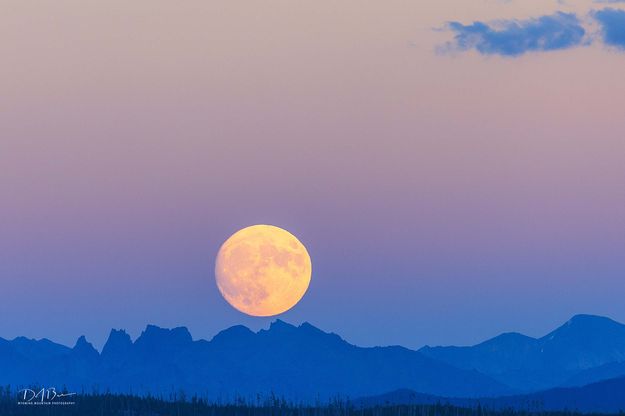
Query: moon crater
[[263, 270]]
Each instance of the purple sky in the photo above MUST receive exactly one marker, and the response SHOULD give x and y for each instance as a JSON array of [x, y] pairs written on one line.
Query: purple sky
[[447, 187]]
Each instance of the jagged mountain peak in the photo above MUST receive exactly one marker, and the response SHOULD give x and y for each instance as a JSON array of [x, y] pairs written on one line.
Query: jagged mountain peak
[[117, 343], [234, 334], [119, 336], [84, 348], [81, 342], [307, 326], [305, 332], [280, 325], [312, 330], [278, 331], [153, 333]]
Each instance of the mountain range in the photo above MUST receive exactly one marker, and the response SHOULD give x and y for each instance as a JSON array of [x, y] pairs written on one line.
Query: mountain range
[[585, 349], [303, 363], [299, 363]]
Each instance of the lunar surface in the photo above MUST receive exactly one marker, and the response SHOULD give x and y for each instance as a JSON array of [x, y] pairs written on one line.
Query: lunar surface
[[263, 270]]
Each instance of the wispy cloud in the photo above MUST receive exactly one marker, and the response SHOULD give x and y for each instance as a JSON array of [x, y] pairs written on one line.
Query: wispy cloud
[[517, 37], [612, 23]]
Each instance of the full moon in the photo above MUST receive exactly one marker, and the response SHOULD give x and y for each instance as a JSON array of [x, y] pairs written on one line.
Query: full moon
[[263, 270]]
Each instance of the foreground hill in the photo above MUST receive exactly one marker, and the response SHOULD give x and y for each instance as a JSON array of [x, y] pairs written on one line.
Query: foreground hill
[[607, 396], [582, 344], [299, 363]]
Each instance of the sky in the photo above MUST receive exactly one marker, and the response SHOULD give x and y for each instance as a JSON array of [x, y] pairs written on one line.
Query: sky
[[455, 168]]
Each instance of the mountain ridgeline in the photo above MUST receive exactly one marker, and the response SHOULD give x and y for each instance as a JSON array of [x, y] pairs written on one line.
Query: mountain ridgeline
[[584, 350], [298, 363], [303, 363]]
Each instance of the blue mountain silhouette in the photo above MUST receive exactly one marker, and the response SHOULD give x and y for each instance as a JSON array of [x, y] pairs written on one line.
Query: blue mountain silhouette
[[300, 363], [583, 343], [607, 396], [305, 363]]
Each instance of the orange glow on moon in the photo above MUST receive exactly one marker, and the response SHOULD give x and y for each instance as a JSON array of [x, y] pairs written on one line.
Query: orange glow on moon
[[263, 270]]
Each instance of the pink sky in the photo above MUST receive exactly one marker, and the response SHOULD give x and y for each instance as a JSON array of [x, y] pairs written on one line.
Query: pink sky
[[453, 196]]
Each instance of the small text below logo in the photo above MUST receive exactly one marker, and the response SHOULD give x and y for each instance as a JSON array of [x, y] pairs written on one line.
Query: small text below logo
[[44, 396]]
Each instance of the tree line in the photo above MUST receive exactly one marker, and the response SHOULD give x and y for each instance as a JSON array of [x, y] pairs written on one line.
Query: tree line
[[178, 404]]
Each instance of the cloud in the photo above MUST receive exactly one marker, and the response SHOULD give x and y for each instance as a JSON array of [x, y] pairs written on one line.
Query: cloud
[[612, 23], [609, 1], [517, 37]]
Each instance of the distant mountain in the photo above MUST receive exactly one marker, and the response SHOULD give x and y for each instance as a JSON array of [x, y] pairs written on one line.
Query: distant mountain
[[583, 343], [607, 396], [592, 375], [300, 363]]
